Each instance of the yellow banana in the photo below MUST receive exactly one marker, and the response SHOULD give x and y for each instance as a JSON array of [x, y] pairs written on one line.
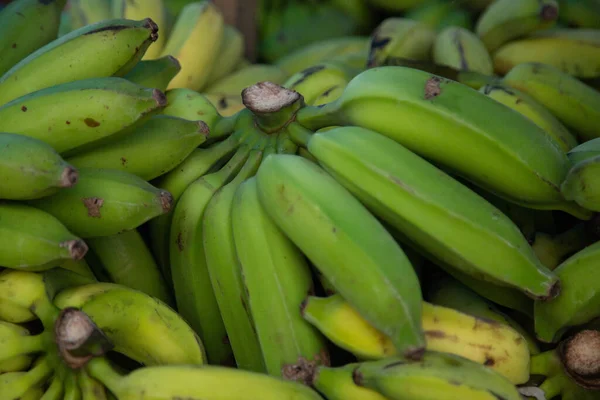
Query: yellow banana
[[461, 49]]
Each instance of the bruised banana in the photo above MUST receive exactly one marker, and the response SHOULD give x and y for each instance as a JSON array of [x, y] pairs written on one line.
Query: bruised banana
[[482, 133], [338, 384], [276, 278], [105, 202], [506, 20], [529, 107], [31, 168], [72, 57], [159, 335], [315, 81], [186, 382], [461, 49], [439, 376], [164, 140], [155, 73], [229, 55], [63, 116], [343, 248]]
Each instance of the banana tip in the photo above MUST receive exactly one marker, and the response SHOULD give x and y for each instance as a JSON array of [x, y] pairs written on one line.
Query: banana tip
[[77, 248], [160, 97], [268, 97], [69, 177], [166, 200], [549, 12], [203, 128], [153, 27]]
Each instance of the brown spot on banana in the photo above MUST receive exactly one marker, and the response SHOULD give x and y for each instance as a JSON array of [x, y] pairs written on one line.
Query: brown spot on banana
[[93, 205], [432, 88], [92, 123]]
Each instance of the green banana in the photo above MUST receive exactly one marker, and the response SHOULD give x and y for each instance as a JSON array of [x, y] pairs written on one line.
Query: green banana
[[313, 210], [129, 262], [584, 151], [86, 12], [395, 5], [482, 133], [25, 290], [149, 149], [582, 185], [461, 49], [25, 26], [55, 389], [106, 202], [156, 73], [191, 105], [276, 278], [107, 48], [439, 376], [457, 17], [13, 385], [552, 250], [17, 346], [91, 389], [31, 168], [63, 116], [570, 100], [431, 12], [234, 83], [506, 20], [338, 384], [317, 80], [580, 13], [32, 239]]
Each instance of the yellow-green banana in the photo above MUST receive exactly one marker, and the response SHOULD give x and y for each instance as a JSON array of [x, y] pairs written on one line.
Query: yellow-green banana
[[234, 83], [584, 151], [18, 346], [431, 12], [580, 13], [230, 53], [191, 105], [553, 250], [313, 82], [55, 389], [457, 17], [107, 48], [343, 240], [338, 384], [481, 133], [105, 202], [149, 149], [461, 49], [506, 20], [14, 385], [25, 26], [25, 290], [195, 41], [91, 389], [155, 73], [226, 105], [582, 184], [86, 12], [63, 116]]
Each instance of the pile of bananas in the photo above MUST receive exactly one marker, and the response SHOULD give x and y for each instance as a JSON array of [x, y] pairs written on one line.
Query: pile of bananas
[[399, 204]]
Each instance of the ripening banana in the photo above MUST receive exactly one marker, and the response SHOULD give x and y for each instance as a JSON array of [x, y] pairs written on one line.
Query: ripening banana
[[18, 347], [64, 117], [31, 168], [226, 105], [439, 376], [156, 73], [105, 202], [234, 83], [14, 385], [582, 184], [579, 300], [140, 326], [570, 100], [356, 253], [138, 10], [402, 38], [119, 44], [313, 82], [149, 149], [461, 49], [195, 40], [230, 53], [25, 26], [506, 20], [573, 51], [584, 151], [86, 12], [482, 133], [580, 13], [191, 105], [338, 384], [207, 382]]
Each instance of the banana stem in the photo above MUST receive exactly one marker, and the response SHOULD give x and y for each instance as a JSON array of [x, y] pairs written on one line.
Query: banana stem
[[46, 312], [546, 363], [224, 127], [273, 106], [101, 370], [22, 345], [553, 386]]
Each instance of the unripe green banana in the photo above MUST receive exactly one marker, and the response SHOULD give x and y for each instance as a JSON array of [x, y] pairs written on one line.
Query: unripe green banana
[[338, 384], [582, 184], [226, 105], [31, 168], [458, 17], [505, 20], [107, 48], [91, 389], [229, 55], [343, 240], [17, 347], [55, 390], [482, 133], [431, 12], [156, 73], [461, 49], [234, 83], [106, 202], [13, 385], [87, 12], [584, 151], [32, 239], [395, 5], [570, 100], [191, 105], [25, 26], [580, 13], [63, 116], [314, 81], [149, 149]]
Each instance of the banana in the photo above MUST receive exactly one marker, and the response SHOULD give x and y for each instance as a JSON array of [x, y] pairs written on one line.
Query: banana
[[71, 389], [86, 12], [571, 101], [105, 202], [552, 250], [580, 13], [439, 376], [149, 149], [25, 26], [331, 94], [457, 17], [159, 335], [400, 37], [137, 10], [234, 83], [16, 364], [17, 347], [506, 20], [230, 53], [395, 5], [461, 49], [317, 80], [276, 278], [206, 382], [431, 12], [13, 385], [225, 273], [118, 44], [358, 10], [582, 185], [55, 389], [155, 73], [338, 384], [33, 393], [129, 262], [322, 51], [226, 105], [191, 105], [573, 51], [482, 133], [91, 389], [584, 151], [31, 168], [32, 239], [63, 116], [309, 212], [80, 267], [529, 107], [195, 41]]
